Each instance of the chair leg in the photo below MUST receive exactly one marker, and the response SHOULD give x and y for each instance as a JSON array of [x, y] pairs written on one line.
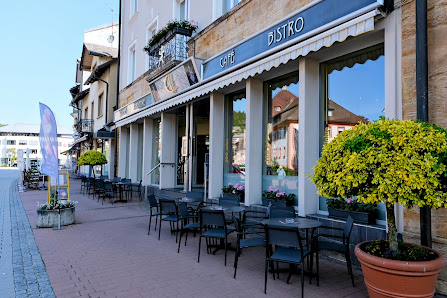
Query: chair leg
[[265, 277], [236, 257], [200, 242], [317, 261], [302, 279], [349, 264], [179, 240], [226, 243], [186, 236], [159, 229], [150, 220]]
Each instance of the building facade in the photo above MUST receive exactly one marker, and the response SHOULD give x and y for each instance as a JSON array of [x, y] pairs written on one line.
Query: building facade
[[94, 97], [25, 137], [265, 85]]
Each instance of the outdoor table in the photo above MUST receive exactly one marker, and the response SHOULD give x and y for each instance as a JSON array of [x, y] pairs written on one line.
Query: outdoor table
[[120, 186]]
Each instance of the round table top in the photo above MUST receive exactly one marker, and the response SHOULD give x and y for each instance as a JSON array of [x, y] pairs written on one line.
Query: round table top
[[234, 209], [298, 222]]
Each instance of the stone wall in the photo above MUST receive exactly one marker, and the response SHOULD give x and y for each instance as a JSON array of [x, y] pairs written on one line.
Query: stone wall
[[137, 89], [245, 19], [437, 104]]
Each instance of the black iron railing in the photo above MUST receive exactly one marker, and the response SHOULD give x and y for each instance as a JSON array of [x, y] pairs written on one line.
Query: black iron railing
[[85, 126]]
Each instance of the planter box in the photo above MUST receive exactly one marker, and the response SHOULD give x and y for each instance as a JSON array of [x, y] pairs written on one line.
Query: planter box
[[265, 202], [49, 218], [359, 217]]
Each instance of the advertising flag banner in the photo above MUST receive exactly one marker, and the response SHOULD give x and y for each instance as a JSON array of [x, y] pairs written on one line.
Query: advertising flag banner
[[48, 142]]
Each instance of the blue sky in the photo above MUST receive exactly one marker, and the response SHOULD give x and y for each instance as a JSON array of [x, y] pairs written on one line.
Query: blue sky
[[40, 43]]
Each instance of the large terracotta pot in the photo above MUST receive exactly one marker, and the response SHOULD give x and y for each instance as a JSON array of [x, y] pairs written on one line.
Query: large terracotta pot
[[389, 278]]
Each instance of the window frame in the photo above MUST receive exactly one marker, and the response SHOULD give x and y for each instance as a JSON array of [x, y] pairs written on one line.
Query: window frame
[[132, 63]]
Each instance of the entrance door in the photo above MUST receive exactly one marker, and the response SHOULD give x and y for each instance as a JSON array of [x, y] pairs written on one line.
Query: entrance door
[[192, 145]]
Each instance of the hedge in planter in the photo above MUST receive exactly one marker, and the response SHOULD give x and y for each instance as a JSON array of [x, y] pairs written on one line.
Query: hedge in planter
[[92, 158]]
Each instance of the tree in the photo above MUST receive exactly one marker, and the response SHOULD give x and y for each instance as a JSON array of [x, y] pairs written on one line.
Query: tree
[[92, 158], [387, 161]]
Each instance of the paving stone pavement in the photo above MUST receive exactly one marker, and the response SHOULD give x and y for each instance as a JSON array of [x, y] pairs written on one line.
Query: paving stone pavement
[[108, 253], [22, 271]]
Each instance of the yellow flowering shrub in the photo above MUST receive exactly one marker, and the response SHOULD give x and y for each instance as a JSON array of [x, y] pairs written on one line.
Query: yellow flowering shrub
[[388, 161]]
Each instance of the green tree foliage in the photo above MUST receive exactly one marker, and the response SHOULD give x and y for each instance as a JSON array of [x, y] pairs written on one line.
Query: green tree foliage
[[239, 119], [387, 161], [92, 158]]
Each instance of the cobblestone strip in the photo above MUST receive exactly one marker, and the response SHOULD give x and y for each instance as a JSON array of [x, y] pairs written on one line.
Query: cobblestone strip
[[30, 276], [6, 270]]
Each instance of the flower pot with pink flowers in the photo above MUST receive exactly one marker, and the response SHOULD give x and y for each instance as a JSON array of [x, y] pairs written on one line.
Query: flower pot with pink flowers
[[277, 197], [237, 189]]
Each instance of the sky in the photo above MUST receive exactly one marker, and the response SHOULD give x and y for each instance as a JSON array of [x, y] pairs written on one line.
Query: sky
[[40, 43]]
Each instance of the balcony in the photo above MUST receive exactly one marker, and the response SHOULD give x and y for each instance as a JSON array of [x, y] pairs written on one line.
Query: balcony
[[170, 51], [84, 126]]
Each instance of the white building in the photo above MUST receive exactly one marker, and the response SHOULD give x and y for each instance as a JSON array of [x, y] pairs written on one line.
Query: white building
[[26, 137]]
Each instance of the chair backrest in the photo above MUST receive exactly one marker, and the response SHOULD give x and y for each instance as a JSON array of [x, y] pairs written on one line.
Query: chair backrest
[[126, 181], [83, 179], [108, 186], [285, 212], [347, 229], [195, 195], [99, 183], [229, 200], [116, 179], [283, 236], [183, 209], [168, 206], [212, 218], [152, 201], [91, 181], [237, 224], [103, 177]]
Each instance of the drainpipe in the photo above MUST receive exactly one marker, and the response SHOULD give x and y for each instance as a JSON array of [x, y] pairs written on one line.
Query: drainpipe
[[422, 100]]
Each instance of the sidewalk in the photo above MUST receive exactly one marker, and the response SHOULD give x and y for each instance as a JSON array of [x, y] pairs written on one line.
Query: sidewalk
[[108, 253]]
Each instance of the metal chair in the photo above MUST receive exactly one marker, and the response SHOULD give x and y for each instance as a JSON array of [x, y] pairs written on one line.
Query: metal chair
[[245, 242], [90, 185], [213, 225], [127, 188], [289, 249], [99, 187], [185, 216], [107, 192], [83, 183], [153, 204], [168, 208], [336, 246]]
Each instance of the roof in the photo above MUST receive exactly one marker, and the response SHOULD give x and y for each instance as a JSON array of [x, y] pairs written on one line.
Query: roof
[[74, 90], [99, 71], [89, 50], [80, 96], [32, 128], [288, 104]]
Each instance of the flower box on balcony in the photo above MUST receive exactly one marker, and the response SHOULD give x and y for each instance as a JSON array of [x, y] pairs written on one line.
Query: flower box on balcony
[[176, 30]]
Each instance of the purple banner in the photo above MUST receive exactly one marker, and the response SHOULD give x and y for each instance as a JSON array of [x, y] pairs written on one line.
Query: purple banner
[[48, 142]]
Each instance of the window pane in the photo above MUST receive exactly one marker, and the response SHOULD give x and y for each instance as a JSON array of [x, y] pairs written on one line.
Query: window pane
[[281, 131], [155, 176], [234, 159], [355, 93]]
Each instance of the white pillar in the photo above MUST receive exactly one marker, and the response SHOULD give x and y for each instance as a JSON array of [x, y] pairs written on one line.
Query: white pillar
[[112, 157], [168, 150], [308, 134], [217, 140], [133, 152], [253, 148], [393, 82], [123, 139], [148, 133]]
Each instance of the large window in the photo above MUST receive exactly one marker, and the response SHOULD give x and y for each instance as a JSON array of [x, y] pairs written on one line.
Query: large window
[[133, 7], [354, 93], [131, 70], [281, 131], [228, 4], [11, 142], [235, 137]]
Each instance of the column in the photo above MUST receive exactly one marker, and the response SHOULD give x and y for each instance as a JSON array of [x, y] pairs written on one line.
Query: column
[[253, 148], [309, 125], [168, 150], [217, 142], [123, 139], [148, 132], [112, 153], [133, 152]]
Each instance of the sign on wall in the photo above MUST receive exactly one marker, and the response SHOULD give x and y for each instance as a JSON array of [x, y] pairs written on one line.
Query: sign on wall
[[296, 28]]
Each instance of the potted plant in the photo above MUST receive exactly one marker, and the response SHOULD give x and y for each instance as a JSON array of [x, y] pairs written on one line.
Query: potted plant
[[275, 195], [237, 189], [173, 27], [48, 214], [92, 158], [360, 212], [390, 161]]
